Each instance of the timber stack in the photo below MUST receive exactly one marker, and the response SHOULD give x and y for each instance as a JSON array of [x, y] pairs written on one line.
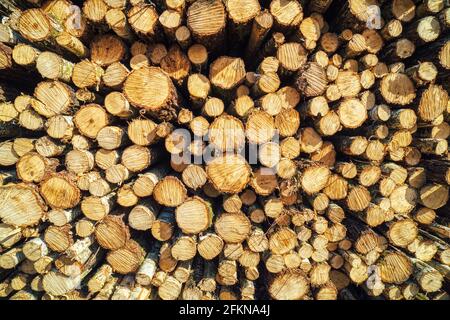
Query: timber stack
[[224, 149]]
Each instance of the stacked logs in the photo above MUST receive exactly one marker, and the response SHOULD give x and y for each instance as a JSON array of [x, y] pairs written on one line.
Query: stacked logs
[[224, 149]]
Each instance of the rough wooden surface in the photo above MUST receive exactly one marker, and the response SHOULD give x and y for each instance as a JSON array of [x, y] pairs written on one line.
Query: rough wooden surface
[[218, 149]]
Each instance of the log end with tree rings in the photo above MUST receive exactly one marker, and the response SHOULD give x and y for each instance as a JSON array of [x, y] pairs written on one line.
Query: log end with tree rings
[[34, 25], [224, 150], [170, 192], [194, 215], [229, 173], [288, 286], [226, 73], [394, 268]]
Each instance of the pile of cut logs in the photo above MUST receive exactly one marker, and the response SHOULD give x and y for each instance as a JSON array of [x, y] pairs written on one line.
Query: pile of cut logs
[[224, 149]]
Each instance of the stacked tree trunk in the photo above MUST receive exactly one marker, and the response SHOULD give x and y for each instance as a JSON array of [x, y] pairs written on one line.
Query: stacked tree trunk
[[229, 149]]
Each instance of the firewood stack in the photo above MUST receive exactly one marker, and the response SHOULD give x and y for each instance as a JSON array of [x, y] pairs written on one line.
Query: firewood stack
[[235, 149]]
